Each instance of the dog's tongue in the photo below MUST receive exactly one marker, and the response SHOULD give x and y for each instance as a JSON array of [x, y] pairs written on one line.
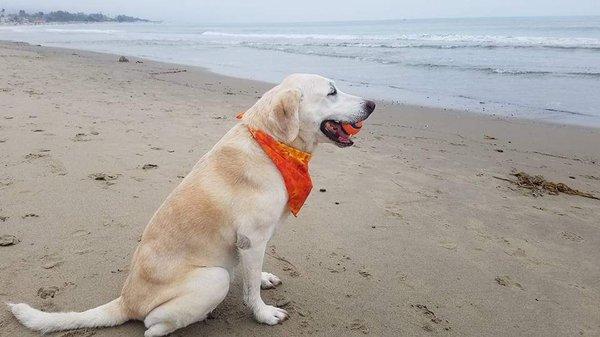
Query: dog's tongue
[[352, 129]]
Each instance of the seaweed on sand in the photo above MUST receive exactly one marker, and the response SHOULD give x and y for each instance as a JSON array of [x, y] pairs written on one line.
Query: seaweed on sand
[[538, 183]]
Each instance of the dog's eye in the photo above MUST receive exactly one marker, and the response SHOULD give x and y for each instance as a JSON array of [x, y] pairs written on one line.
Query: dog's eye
[[333, 92]]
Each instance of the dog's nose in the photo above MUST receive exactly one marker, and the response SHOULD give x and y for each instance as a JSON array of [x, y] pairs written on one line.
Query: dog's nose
[[369, 106]]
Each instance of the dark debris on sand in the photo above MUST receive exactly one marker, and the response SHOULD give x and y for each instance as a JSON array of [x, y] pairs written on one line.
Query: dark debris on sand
[[108, 178]]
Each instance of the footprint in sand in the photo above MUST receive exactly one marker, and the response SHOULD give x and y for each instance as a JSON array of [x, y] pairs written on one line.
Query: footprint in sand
[[358, 325], [506, 281], [50, 261], [80, 233], [5, 182], [8, 240], [57, 167], [32, 156], [338, 263], [450, 245], [432, 318], [571, 236], [47, 292], [83, 251]]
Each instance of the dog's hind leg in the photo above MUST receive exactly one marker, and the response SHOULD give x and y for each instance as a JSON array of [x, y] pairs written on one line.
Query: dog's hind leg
[[201, 293]]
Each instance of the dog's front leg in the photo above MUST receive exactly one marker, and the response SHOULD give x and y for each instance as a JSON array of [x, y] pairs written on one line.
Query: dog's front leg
[[252, 261]]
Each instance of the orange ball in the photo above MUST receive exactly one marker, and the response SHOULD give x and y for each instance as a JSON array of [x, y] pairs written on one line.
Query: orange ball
[[352, 129]]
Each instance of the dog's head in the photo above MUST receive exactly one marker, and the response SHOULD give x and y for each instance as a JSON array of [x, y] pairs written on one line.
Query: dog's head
[[308, 109]]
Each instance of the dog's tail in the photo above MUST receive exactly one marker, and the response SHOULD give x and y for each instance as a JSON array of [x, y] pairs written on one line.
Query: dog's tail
[[109, 314]]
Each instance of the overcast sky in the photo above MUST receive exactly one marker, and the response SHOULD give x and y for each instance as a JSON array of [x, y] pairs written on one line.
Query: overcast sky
[[311, 10]]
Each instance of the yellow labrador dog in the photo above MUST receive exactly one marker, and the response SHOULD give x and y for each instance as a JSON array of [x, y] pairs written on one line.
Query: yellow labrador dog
[[225, 210]]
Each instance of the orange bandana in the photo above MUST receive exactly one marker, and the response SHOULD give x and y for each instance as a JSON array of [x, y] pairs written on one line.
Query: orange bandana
[[291, 163]]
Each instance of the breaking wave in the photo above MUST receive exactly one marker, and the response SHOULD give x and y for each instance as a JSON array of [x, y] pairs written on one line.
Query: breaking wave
[[448, 41]]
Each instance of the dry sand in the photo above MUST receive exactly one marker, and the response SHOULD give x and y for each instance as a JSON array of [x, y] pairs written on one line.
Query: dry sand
[[413, 237]]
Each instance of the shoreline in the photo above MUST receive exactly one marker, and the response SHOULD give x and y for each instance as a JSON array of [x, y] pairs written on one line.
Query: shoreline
[[440, 109], [436, 244], [488, 108]]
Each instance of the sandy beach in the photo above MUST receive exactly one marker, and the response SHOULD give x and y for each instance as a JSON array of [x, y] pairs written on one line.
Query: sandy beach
[[418, 231]]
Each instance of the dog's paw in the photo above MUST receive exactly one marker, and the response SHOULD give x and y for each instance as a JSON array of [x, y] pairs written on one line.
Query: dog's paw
[[268, 281], [270, 315]]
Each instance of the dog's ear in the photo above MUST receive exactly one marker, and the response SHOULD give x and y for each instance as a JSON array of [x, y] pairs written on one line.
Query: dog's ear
[[284, 116]]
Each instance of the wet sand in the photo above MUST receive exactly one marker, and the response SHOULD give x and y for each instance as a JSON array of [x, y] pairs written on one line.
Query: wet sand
[[414, 234]]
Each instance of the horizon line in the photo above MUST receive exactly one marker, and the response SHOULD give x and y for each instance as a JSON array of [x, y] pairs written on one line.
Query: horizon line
[[387, 19]]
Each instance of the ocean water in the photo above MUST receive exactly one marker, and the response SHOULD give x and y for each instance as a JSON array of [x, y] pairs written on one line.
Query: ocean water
[[540, 68]]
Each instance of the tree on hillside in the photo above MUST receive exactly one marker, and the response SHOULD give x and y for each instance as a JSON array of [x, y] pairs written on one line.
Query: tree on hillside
[[64, 16]]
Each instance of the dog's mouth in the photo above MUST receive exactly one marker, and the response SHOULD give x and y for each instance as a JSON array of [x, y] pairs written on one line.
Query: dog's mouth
[[337, 131]]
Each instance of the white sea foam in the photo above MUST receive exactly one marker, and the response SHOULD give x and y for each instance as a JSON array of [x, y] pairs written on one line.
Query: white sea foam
[[46, 29], [424, 40], [82, 31], [15, 29], [515, 41], [283, 36]]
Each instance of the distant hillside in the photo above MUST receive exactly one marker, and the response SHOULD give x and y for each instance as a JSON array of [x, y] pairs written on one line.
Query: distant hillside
[[23, 17]]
